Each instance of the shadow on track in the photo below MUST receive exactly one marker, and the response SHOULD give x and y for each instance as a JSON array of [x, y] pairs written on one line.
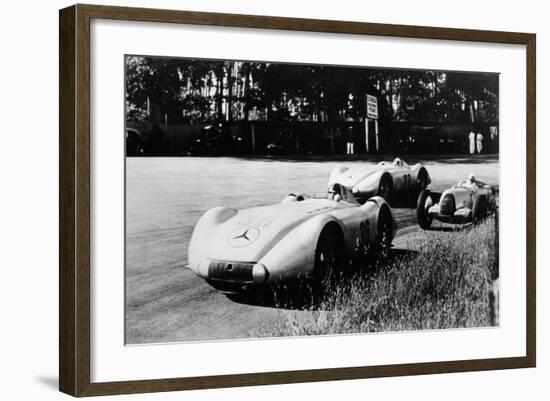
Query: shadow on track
[[406, 200]]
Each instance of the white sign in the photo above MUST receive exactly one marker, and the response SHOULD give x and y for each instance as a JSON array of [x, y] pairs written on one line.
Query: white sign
[[372, 107]]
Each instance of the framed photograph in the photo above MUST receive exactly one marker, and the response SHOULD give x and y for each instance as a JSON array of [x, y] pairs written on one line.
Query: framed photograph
[[249, 200]]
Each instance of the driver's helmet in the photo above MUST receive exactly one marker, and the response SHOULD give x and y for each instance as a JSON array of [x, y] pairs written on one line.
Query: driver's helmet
[[471, 179], [397, 162], [334, 192]]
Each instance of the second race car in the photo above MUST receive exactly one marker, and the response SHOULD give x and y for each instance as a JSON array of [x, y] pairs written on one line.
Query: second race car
[[298, 238], [384, 179]]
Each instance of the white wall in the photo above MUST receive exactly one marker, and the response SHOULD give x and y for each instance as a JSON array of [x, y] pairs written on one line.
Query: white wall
[[28, 196]]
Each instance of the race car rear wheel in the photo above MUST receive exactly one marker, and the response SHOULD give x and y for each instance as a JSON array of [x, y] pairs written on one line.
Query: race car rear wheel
[[418, 186], [385, 186], [424, 202], [384, 234], [327, 261], [479, 210], [422, 181]]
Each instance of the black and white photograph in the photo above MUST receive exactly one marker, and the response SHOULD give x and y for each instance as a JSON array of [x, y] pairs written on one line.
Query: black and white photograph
[[268, 199]]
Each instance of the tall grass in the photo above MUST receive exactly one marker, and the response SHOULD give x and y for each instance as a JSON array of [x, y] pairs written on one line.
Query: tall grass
[[445, 284]]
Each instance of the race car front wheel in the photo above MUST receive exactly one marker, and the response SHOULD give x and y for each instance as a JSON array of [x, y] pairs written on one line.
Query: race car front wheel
[[423, 205], [327, 262]]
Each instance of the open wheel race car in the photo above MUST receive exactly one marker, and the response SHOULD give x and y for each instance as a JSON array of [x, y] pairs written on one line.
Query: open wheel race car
[[468, 201], [385, 179], [298, 238]]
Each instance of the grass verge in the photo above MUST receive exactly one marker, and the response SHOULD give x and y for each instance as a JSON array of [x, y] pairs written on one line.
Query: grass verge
[[447, 283]]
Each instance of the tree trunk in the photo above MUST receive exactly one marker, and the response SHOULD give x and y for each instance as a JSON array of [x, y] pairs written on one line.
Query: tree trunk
[[230, 83], [219, 90], [246, 109]]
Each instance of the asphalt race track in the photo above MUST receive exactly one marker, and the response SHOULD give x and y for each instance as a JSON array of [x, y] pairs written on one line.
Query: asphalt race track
[[165, 302]]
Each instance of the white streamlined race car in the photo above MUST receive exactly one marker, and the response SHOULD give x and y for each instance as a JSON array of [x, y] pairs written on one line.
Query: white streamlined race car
[[385, 179], [298, 238]]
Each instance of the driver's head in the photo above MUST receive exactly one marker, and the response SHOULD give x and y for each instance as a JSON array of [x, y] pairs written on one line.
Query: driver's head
[[334, 192], [471, 179], [397, 162]]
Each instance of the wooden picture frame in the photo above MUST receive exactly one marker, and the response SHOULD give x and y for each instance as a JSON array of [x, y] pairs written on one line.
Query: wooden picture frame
[[74, 202]]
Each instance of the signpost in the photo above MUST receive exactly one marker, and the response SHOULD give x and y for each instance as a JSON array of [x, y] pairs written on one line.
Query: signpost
[[372, 107], [372, 114]]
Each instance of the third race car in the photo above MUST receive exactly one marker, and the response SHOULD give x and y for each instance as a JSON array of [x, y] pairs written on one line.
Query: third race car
[[468, 201]]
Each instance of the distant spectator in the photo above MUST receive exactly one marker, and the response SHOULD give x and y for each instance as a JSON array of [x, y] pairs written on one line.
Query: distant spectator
[[493, 142], [472, 138], [349, 141], [479, 142]]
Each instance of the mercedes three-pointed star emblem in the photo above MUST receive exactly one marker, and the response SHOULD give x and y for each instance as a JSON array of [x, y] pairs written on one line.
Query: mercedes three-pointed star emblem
[[243, 236]]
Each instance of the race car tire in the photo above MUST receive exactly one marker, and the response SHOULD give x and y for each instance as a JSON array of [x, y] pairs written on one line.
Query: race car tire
[[422, 215], [385, 186], [328, 260], [422, 180], [384, 234], [479, 210]]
